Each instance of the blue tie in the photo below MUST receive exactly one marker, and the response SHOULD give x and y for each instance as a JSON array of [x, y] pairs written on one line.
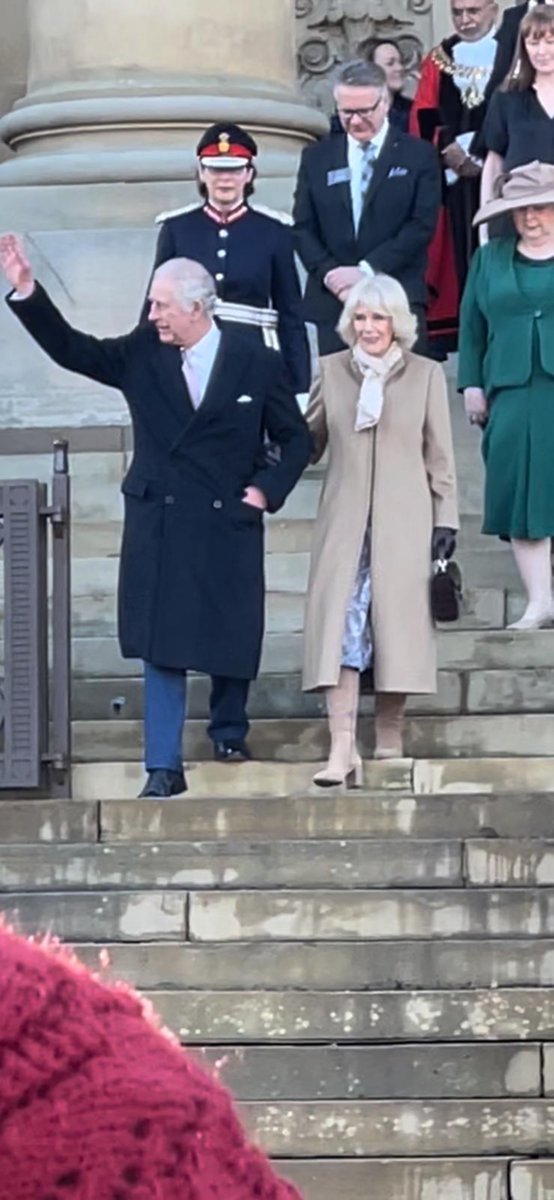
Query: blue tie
[[370, 154]]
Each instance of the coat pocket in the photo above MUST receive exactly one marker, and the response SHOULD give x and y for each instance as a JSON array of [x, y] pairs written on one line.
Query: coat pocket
[[134, 485]]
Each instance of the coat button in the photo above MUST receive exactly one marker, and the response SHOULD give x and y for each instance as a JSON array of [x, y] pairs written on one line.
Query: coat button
[[217, 504], [169, 499], [222, 254], [224, 233], [538, 312], [219, 277]]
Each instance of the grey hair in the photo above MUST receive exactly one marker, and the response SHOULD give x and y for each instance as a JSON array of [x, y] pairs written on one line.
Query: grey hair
[[385, 294], [192, 283], [359, 73]]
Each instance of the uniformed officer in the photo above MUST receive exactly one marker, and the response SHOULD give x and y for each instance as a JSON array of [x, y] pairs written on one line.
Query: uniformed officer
[[248, 252]]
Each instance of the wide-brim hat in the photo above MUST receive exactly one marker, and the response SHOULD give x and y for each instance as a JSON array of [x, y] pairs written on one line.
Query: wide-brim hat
[[532, 184], [226, 146]]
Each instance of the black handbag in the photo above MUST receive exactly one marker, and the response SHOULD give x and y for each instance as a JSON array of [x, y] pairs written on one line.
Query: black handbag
[[446, 590]]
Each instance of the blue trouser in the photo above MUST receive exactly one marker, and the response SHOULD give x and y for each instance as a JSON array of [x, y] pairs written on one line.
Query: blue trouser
[[165, 704]]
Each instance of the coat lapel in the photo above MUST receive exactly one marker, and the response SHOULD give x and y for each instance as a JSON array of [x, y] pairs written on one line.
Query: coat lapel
[[230, 363], [168, 366], [338, 161]]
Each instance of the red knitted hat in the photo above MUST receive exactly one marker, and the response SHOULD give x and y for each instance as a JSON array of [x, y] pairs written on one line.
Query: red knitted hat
[[97, 1103]]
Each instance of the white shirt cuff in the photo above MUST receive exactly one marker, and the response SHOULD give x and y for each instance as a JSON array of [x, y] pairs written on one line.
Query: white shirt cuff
[[365, 267]]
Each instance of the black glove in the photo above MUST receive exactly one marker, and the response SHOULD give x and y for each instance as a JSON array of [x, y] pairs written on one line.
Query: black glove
[[443, 543]]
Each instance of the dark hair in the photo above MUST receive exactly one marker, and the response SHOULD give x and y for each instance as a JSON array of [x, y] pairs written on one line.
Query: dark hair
[[360, 74], [372, 44], [539, 21], [248, 190]]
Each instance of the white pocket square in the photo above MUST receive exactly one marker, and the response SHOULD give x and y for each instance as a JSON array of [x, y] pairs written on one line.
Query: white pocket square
[[244, 399]]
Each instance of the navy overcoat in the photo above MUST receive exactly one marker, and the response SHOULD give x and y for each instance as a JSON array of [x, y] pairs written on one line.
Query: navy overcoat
[[191, 587]]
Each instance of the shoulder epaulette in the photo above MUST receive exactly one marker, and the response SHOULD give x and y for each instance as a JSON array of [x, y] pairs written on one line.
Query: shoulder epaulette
[[176, 212], [277, 214]]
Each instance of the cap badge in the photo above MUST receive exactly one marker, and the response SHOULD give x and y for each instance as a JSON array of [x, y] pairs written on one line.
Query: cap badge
[[223, 144]]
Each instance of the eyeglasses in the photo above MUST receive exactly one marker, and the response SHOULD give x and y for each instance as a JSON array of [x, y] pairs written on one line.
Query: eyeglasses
[[348, 114]]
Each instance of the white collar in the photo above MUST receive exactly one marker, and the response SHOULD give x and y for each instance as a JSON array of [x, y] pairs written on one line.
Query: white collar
[[205, 346], [476, 54]]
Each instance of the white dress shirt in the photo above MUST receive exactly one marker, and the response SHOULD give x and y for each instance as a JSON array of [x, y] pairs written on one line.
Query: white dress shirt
[[356, 164], [198, 363]]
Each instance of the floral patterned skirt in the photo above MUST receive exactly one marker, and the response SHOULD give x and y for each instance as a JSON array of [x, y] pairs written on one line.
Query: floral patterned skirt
[[357, 644]]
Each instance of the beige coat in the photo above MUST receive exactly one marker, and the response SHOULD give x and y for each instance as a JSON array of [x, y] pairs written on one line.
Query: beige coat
[[404, 472]]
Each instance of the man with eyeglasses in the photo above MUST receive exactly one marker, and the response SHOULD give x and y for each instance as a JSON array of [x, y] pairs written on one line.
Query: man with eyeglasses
[[449, 108], [367, 200]]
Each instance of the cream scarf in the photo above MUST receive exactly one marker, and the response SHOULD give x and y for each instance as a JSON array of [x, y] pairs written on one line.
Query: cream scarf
[[375, 372]]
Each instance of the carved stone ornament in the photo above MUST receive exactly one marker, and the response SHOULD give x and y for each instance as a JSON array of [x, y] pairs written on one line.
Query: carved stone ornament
[[330, 32]]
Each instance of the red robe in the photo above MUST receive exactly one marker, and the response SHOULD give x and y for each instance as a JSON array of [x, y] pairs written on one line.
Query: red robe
[[442, 276]]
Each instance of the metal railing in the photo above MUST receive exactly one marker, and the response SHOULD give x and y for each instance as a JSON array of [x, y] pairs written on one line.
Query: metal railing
[[35, 692]]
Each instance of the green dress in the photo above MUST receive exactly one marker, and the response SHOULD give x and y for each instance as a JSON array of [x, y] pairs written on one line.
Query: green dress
[[518, 442]]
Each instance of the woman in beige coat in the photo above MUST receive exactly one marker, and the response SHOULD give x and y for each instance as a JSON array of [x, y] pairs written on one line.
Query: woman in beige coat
[[387, 508]]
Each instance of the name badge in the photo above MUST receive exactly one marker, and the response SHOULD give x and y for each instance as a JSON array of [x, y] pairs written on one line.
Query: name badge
[[396, 172], [341, 175]]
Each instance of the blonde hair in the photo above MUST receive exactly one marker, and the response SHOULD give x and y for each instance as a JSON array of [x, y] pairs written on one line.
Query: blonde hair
[[385, 294]]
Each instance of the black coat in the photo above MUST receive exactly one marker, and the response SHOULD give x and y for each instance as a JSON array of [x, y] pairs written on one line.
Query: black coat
[[191, 588], [252, 262], [396, 227]]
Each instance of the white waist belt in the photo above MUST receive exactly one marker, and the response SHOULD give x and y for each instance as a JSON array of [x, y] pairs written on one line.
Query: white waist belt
[[265, 319]]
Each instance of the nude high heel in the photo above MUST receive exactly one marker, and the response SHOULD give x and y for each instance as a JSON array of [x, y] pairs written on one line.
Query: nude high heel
[[344, 767]]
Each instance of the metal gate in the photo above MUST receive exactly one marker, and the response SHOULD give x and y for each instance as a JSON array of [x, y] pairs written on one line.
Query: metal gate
[[35, 716]]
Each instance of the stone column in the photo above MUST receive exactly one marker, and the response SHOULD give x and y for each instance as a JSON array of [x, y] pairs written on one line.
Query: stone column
[[118, 91]]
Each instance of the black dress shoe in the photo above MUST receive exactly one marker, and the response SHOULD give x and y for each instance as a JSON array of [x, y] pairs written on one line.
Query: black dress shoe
[[162, 783], [231, 752]]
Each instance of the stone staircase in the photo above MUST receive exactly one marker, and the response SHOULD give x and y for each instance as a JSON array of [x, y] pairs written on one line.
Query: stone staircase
[[371, 972]]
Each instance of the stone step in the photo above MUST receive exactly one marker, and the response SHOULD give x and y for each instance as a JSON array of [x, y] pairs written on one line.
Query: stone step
[[242, 817], [293, 1017], [392, 1072], [298, 739], [353, 815], [114, 779], [47, 821], [159, 915], [532, 1180], [282, 864], [397, 1128], [513, 863], [411, 1179], [98, 658], [379, 965], [322, 914], [280, 695]]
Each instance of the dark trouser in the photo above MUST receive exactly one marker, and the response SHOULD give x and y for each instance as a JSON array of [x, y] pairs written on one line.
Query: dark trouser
[[329, 341], [165, 703]]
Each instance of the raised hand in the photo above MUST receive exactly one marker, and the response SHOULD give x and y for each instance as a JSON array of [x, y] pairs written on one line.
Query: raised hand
[[15, 264]]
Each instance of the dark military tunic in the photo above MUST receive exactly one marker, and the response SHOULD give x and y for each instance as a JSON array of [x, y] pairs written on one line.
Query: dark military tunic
[[252, 261]]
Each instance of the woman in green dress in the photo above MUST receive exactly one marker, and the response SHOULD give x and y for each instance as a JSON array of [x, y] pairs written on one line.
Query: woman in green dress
[[506, 373]]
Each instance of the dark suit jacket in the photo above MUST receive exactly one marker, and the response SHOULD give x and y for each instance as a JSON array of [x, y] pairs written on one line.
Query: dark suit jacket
[[191, 589], [396, 227]]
